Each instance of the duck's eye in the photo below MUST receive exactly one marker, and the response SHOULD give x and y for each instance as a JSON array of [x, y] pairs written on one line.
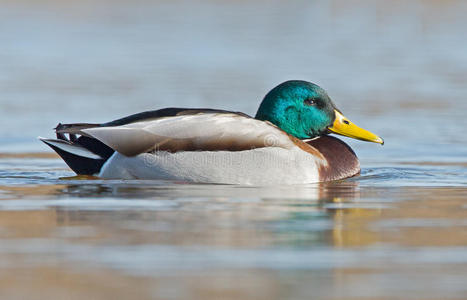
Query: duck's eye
[[310, 102]]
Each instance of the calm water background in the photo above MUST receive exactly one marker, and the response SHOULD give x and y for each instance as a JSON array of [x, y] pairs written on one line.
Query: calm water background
[[399, 231]]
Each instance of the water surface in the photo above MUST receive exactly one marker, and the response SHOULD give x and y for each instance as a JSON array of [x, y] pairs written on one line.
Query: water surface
[[397, 231]]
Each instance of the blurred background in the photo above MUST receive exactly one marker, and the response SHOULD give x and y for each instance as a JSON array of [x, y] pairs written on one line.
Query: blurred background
[[395, 67]]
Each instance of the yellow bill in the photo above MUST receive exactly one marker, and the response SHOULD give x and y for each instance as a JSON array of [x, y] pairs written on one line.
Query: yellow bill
[[344, 127]]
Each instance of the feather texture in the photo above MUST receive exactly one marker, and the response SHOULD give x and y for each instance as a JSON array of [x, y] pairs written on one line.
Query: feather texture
[[197, 132]]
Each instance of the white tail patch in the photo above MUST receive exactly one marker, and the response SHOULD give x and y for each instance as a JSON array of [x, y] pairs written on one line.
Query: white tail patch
[[70, 148]]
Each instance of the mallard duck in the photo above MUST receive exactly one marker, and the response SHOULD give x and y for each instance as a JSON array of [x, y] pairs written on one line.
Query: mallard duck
[[287, 142]]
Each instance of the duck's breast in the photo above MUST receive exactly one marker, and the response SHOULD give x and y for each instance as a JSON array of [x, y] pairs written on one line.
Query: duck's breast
[[341, 160]]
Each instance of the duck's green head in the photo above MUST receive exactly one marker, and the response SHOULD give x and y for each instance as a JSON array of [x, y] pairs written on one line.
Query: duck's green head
[[305, 111]]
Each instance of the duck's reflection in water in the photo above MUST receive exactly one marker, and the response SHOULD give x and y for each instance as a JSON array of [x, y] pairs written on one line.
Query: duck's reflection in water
[[212, 215]]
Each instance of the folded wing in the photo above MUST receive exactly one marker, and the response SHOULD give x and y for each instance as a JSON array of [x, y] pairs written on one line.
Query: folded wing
[[201, 131]]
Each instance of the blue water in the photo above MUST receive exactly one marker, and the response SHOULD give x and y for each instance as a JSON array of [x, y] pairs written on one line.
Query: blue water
[[397, 231]]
